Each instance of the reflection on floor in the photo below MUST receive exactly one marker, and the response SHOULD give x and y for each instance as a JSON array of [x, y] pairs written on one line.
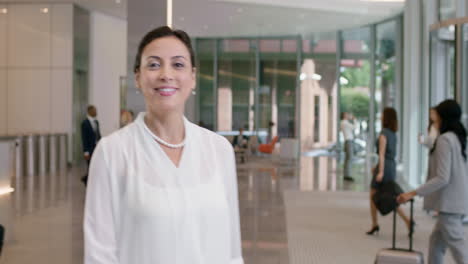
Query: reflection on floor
[[44, 214]]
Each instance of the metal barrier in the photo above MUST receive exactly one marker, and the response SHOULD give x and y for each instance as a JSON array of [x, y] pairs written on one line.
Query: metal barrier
[[43, 153], [39, 154], [20, 162], [53, 153], [62, 151], [31, 155]]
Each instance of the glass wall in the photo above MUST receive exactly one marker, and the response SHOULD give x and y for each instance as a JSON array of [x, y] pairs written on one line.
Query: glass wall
[[277, 92], [206, 53], [249, 83], [443, 65], [388, 77], [355, 81], [386, 58], [289, 86], [447, 9], [236, 85], [464, 77], [319, 102]]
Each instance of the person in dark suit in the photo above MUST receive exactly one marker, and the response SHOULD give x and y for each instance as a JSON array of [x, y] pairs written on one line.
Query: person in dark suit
[[90, 135], [240, 140]]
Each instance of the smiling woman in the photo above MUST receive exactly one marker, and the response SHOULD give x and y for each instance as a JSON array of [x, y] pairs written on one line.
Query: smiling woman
[[163, 190]]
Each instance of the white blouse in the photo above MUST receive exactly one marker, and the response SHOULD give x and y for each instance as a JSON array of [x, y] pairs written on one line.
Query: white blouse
[[430, 139], [141, 208]]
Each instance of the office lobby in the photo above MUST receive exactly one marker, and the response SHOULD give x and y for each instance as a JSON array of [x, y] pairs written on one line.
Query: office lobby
[[272, 78]]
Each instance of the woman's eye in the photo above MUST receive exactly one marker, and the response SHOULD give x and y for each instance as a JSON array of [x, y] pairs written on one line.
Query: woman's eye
[[153, 65], [178, 65]]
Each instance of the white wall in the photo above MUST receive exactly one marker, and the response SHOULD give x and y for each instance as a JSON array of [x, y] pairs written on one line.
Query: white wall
[[108, 62], [35, 68]]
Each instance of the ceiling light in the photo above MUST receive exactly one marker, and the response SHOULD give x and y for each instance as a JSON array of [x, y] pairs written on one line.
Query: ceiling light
[[117, 1], [240, 10], [182, 18], [3, 11], [7, 190], [45, 10], [317, 77], [303, 76], [395, 1]]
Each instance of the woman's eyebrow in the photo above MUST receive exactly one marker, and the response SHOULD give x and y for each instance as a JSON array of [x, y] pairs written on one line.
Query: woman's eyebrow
[[159, 58], [179, 57]]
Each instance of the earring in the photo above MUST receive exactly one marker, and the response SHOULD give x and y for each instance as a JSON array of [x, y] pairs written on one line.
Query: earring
[[194, 92]]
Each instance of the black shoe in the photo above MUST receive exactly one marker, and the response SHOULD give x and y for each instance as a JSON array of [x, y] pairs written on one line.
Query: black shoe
[[348, 178], [374, 229]]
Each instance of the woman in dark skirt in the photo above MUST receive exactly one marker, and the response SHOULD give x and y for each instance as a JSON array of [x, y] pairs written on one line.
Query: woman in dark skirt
[[385, 171]]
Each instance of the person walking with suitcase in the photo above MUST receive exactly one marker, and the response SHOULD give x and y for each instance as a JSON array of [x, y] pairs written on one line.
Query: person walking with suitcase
[[446, 189]]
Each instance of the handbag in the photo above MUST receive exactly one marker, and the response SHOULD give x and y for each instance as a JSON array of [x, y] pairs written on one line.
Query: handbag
[[385, 197]]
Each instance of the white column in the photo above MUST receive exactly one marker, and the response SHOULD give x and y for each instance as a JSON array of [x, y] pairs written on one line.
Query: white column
[[411, 88], [107, 64]]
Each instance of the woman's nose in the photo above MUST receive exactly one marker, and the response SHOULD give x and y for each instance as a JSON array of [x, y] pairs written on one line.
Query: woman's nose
[[166, 73]]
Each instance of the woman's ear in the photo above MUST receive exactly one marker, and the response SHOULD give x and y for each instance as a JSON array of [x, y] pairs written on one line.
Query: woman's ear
[[137, 80]]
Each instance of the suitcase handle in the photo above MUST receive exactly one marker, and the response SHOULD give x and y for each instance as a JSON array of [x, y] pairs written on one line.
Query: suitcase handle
[[411, 227]]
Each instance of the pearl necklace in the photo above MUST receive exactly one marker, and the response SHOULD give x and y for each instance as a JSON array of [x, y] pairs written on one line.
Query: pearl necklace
[[162, 142]]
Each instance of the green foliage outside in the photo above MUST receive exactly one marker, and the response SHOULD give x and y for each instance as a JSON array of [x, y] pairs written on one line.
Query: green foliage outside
[[357, 77], [355, 102]]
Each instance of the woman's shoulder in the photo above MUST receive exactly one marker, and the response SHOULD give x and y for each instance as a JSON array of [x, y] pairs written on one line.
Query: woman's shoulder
[[206, 136], [447, 138], [119, 138], [387, 132]]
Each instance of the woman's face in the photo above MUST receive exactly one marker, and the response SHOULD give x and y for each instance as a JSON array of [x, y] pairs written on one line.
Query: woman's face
[[434, 116], [166, 76]]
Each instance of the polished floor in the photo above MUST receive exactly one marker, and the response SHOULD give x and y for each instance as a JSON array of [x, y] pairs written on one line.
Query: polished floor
[[44, 214]]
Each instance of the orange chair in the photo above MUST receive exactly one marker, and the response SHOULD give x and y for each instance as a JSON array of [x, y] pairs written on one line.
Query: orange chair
[[269, 147]]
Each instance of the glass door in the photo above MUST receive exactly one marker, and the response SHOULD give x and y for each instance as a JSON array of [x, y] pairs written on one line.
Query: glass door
[[443, 65]]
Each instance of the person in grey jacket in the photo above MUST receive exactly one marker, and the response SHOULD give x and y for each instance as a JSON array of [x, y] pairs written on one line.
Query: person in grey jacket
[[446, 189]]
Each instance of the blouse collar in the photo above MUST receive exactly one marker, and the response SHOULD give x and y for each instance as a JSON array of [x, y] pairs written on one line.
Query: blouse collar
[[141, 122]]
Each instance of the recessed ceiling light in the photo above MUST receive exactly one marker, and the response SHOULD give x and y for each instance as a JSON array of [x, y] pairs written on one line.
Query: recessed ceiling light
[[45, 10], [395, 1], [117, 1], [3, 11]]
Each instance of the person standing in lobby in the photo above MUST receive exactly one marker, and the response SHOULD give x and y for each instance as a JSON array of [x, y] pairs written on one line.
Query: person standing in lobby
[[432, 130], [90, 135], [162, 189], [446, 188], [347, 128]]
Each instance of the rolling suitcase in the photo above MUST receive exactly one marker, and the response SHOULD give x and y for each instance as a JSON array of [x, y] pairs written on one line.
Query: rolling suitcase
[[400, 256]]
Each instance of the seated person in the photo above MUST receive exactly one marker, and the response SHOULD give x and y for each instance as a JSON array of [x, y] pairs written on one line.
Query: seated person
[[240, 141]]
